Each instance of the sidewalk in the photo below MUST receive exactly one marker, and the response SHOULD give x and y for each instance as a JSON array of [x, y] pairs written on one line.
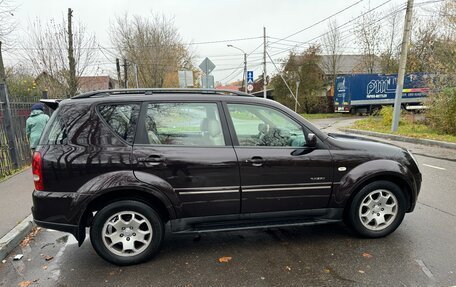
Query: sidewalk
[[15, 200]]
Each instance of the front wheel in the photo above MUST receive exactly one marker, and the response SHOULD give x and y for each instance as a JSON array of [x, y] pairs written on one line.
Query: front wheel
[[127, 232], [377, 209]]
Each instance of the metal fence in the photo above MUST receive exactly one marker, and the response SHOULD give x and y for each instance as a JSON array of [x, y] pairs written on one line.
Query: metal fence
[[19, 113]]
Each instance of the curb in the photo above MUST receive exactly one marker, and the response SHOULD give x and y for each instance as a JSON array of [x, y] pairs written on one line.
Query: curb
[[402, 138], [15, 236]]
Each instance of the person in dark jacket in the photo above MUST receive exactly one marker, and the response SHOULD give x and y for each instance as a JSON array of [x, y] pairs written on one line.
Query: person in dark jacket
[[35, 125]]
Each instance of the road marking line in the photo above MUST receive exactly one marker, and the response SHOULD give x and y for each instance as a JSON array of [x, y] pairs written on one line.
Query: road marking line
[[425, 269], [433, 166]]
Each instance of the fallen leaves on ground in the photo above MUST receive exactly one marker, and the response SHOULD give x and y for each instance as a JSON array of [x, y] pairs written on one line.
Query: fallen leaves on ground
[[25, 283], [367, 255], [224, 259], [30, 236]]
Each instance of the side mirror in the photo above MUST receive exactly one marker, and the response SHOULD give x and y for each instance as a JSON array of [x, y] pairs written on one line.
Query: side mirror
[[311, 140]]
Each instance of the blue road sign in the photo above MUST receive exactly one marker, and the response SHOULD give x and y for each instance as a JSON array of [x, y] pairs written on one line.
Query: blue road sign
[[249, 76]]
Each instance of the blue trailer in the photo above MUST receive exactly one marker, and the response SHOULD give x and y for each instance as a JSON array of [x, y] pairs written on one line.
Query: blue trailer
[[364, 93]]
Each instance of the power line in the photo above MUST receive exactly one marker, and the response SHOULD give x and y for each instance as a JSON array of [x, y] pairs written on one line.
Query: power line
[[149, 46], [344, 24], [319, 22], [299, 44], [223, 41]]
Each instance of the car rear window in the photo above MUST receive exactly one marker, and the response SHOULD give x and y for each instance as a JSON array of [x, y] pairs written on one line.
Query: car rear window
[[122, 118], [55, 132]]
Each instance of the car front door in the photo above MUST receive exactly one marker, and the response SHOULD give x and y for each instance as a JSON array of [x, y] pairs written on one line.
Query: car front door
[[279, 172], [184, 144]]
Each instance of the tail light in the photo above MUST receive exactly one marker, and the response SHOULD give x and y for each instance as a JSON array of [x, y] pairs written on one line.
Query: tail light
[[37, 171]]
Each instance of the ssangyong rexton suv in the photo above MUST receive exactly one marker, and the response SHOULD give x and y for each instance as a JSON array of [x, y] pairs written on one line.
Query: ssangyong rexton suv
[[127, 162]]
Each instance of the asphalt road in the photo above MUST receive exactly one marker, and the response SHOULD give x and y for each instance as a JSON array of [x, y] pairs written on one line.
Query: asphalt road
[[420, 253]]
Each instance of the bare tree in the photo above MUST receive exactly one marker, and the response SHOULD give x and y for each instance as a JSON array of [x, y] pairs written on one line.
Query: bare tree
[[333, 47], [7, 22], [46, 51], [368, 35], [154, 45], [448, 12], [392, 40]]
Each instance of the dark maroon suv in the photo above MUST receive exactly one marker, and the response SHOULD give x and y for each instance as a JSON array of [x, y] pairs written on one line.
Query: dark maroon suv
[[127, 163]]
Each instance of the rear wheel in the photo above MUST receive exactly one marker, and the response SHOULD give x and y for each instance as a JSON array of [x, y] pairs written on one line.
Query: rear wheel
[[127, 232], [377, 209]]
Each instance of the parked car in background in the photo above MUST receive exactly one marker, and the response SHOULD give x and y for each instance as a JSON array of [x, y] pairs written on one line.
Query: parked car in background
[[127, 163]]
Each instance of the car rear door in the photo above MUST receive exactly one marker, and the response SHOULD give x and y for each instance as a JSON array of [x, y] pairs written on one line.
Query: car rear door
[[184, 143], [278, 171]]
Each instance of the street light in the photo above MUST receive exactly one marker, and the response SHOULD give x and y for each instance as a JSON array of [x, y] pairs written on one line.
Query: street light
[[244, 77]]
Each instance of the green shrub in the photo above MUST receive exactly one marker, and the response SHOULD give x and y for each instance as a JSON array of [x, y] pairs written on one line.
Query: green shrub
[[442, 111], [387, 115]]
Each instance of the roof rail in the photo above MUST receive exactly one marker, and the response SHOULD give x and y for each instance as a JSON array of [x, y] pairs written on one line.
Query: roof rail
[[152, 91]]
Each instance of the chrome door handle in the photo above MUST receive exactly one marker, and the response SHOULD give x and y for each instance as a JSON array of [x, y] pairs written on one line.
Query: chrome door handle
[[255, 161], [152, 160]]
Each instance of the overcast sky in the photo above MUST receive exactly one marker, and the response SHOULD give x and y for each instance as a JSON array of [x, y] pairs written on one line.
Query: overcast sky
[[209, 20]]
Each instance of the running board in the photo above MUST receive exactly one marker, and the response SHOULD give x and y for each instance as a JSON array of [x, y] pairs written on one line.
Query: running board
[[246, 225]]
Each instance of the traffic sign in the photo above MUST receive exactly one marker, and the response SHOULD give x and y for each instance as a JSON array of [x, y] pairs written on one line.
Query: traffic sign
[[207, 66], [250, 77], [249, 87], [185, 79], [208, 82]]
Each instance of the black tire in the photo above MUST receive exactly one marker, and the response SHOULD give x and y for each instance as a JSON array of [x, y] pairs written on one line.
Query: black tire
[[140, 208], [353, 218]]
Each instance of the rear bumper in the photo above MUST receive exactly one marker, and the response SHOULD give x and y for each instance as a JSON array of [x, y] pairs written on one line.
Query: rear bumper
[[59, 211], [73, 229]]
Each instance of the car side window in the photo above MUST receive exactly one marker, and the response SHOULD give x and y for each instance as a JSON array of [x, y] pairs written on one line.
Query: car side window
[[189, 124], [122, 118], [263, 126]]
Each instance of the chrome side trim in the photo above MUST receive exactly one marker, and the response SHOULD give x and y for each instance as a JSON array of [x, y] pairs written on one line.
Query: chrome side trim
[[288, 184], [209, 191], [253, 188], [208, 188], [286, 188]]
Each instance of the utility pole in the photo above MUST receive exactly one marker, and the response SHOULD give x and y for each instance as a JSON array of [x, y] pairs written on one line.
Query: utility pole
[[296, 98], [264, 62], [7, 118], [136, 76], [402, 64], [125, 74], [244, 77], [119, 79], [72, 83]]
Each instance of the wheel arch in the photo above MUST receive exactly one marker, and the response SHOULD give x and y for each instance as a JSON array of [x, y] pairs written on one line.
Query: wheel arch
[[159, 203], [394, 178], [371, 171]]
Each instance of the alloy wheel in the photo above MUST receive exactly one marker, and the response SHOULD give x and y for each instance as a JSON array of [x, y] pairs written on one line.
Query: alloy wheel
[[378, 209], [127, 233]]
